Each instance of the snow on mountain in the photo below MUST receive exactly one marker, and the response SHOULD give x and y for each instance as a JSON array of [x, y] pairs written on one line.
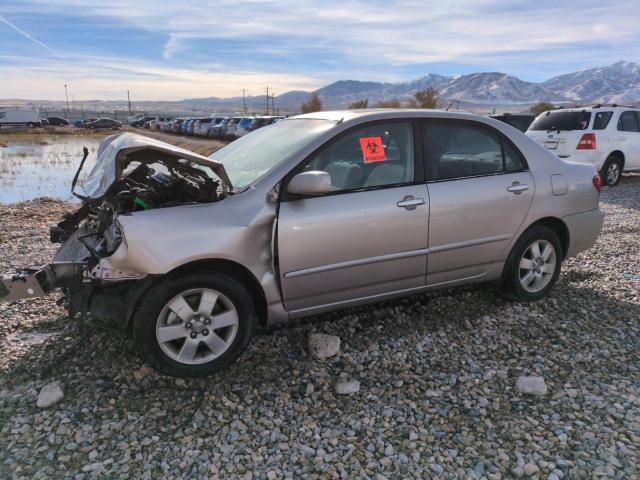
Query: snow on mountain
[[617, 83], [496, 88]]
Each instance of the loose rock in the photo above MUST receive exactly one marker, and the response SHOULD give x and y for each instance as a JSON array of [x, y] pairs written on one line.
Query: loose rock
[[50, 395], [323, 346], [531, 385]]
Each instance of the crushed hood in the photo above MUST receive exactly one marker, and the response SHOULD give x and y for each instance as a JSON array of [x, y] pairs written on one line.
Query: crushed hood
[[116, 152]]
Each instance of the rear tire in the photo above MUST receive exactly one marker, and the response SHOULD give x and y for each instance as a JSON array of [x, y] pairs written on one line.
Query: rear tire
[[611, 171], [175, 327], [533, 266]]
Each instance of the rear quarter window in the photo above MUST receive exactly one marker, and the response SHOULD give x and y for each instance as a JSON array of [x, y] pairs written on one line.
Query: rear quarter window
[[601, 120]]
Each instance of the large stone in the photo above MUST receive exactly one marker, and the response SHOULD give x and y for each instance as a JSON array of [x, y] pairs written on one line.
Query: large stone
[[50, 395], [348, 388], [531, 385], [323, 346]]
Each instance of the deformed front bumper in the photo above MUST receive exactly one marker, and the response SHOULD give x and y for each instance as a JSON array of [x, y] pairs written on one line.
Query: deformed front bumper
[[32, 282]]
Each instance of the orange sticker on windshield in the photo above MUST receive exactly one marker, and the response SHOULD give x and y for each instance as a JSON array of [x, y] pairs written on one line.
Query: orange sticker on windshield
[[372, 149]]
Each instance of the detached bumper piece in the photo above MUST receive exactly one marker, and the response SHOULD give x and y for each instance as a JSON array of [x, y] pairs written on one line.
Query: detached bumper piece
[[26, 283]]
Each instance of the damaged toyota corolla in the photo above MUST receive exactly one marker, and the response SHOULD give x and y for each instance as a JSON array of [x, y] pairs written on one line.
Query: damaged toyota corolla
[[314, 213]]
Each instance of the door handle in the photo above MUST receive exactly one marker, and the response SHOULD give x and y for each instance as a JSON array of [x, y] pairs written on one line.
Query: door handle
[[517, 188], [410, 202]]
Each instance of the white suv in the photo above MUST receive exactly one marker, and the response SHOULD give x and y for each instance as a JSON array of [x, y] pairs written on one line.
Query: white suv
[[607, 137]]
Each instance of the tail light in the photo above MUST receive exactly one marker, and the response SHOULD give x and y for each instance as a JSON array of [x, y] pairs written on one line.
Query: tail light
[[587, 142], [597, 183]]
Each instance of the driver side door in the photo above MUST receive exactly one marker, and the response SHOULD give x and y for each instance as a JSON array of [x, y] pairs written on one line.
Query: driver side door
[[368, 236]]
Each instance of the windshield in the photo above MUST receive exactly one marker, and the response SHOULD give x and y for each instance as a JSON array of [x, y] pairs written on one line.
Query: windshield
[[559, 120], [253, 155]]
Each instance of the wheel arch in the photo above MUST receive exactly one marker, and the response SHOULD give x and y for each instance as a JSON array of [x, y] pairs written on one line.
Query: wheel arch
[[228, 267], [559, 228], [619, 154]]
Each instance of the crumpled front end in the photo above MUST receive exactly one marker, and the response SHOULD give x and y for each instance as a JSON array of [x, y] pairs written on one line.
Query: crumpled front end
[[132, 174]]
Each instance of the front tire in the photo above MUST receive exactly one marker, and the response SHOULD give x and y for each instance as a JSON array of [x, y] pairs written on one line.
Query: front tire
[[194, 325], [533, 266], [611, 171]]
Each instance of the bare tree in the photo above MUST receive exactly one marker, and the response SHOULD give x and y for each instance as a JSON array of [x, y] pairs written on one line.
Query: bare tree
[[540, 107], [427, 98], [312, 105], [359, 104], [393, 103]]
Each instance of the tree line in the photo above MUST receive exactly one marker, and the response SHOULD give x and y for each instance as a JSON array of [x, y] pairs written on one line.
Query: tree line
[[427, 98]]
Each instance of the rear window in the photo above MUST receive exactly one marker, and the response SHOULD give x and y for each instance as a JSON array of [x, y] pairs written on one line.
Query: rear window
[[559, 120], [601, 120]]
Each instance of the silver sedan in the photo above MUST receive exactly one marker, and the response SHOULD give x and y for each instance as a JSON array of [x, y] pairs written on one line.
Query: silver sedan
[[335, 209]]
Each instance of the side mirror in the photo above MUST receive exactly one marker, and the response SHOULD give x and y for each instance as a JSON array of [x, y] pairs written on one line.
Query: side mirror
[[310, 183]]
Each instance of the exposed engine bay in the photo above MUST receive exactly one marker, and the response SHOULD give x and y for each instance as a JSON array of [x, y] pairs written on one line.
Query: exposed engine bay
[[132, 174]]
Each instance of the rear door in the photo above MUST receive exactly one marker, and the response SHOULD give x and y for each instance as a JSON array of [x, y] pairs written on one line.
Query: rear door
[[368, 236], [480, 191], [629, 137]]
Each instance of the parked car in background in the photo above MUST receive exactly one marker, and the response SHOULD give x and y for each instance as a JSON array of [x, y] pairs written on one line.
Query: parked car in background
[[103, 123], [141, 121], [201, 126], [176, 125], [78, 123], [230, 131], [58, 121], [219, 130], [44, 122], [521, 121], [243, 126], [605, 137], [162, 121], [184, 126], [14, 116], [134, 118]]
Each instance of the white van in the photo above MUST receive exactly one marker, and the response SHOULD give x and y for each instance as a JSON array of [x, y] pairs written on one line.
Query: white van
[[607, 137], [19, 116]]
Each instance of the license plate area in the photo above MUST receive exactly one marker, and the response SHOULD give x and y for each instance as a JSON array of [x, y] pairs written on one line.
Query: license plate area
[[551, 144]]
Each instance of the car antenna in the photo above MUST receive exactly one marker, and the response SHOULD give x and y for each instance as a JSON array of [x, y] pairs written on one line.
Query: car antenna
[[462, 91]]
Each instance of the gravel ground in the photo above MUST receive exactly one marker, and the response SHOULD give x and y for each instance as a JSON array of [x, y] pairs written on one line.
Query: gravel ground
[[437, 375]]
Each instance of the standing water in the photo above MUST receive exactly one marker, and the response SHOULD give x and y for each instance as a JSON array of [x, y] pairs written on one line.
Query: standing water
[[42, 166]]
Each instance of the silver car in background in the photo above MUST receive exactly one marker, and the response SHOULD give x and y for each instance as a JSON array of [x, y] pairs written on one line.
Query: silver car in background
[[320, 212]]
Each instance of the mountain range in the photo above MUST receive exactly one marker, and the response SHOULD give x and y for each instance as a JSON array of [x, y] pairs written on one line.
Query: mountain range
[[616, 83]]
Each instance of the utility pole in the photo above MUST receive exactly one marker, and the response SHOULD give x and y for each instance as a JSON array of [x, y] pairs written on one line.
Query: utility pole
[[267, 99], [273, 103], [244, 101], [129, 101], [66, 94], [73, 106]]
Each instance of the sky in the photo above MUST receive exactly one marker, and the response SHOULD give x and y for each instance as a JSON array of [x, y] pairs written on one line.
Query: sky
[[167, 50]]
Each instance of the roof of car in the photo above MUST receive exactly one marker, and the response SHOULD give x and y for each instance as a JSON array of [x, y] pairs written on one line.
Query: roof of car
[[373, 113], [594, 108]]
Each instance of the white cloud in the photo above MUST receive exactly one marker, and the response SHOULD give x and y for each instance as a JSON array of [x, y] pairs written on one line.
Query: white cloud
[[359, 33]]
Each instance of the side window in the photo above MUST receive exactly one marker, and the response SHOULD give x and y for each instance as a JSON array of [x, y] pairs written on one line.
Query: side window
[[459, 151], [513, 161], [601, 120], [628, 122], [372, 156]]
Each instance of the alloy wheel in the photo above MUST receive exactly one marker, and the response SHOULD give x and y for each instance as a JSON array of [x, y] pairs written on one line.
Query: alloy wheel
[[613, 173], [537, 266], [197, 326]]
